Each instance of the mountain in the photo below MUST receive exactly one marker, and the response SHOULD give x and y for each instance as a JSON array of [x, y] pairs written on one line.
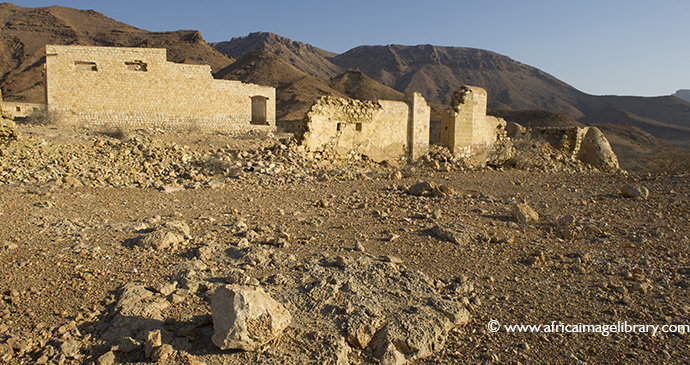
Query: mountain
[[25, 31], [683, 94], [295, 90], [437, 71], [309, 59]]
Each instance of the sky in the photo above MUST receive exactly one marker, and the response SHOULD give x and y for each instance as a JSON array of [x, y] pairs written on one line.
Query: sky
[[601, 47]]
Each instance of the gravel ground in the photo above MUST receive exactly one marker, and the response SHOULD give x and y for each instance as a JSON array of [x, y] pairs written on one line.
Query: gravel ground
[[594, 257]]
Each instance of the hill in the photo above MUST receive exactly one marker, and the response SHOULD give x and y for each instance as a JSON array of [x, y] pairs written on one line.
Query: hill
[[357, 85], [309, 59], [25, 31], [678, 134]]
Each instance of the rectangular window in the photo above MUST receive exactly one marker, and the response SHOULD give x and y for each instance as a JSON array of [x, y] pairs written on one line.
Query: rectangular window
[[358, 127], [19, 109], [137, 66], [85, 66]]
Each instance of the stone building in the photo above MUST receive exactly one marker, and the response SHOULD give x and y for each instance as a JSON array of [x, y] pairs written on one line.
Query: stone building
[[138, 88], [379, 130], [465, 128]]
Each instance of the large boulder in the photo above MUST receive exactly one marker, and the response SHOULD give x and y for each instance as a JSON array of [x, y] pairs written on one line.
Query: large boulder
[[596, 151], [246, 318]]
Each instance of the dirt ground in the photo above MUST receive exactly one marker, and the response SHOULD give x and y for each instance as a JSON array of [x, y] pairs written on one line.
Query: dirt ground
[[594, 257]]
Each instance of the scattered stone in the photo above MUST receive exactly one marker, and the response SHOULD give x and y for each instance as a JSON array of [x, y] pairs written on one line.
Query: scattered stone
[[635, 192], [246, 318], [523, 213]]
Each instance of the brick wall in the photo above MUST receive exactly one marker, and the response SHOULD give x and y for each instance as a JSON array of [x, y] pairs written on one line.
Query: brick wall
[[138, 88]]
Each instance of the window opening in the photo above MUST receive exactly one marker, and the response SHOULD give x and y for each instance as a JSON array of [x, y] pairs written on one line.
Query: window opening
[[137, 66], [85, 66]]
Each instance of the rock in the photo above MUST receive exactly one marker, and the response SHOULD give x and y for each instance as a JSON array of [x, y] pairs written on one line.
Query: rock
[[409, 336], [359, 246], [523, 213], [168, 234], [106, 359], [635, 192], [127, 344], [246, 318], [159, 240], [421, 188], [455, 233], [153, 341], [596, 151], [70, 349], [137, 312], [162, 353], [8, 130]]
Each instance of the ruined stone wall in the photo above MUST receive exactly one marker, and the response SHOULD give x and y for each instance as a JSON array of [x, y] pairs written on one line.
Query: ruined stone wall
[[380, 130], [23, 110], [138, 88], [418, 126], [465, 127]]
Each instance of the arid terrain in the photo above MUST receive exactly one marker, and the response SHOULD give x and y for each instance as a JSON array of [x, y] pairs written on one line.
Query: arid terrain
[[115, 244], [332, 241]]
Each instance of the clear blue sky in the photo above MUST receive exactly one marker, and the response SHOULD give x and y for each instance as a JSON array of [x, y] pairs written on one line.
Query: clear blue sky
[[620, 47]]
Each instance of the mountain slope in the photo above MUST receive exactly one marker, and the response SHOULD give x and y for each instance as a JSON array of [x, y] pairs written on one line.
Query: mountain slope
[[357, 85], [613, 115], [25, 31], [309, 59], [437, 71]]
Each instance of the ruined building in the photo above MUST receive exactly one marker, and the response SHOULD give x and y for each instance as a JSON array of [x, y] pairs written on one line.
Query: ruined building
[[380, 130], [139, 88], [465, 128]]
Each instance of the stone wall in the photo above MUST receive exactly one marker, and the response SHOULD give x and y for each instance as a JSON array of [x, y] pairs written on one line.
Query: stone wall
[[465, 127], [138, 88], [23, 110], [380, 130]]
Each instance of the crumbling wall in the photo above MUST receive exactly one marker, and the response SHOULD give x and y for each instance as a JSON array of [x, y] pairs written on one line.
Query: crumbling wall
[[465, 127], [23, 110], [138, 88], [380, 130]]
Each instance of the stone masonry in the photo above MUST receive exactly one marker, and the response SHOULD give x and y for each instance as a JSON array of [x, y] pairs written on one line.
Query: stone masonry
[[465, 127], [138, 88], [379, 130]]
